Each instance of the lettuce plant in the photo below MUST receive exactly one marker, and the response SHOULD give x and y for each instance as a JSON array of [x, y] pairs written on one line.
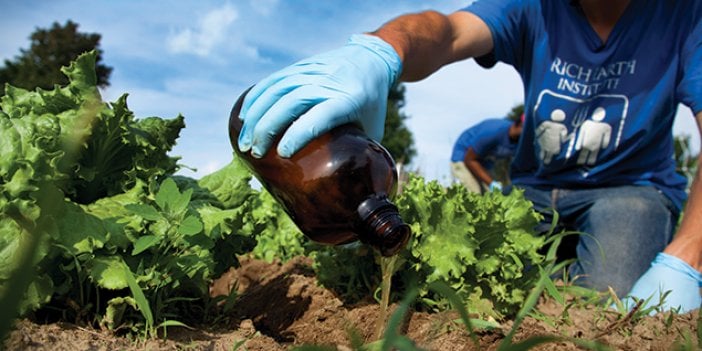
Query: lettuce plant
[[94, 221], [484, 246]]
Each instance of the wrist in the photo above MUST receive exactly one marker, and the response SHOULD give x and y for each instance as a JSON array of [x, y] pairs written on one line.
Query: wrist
[[686, 250], [678, 264], [382, 49]]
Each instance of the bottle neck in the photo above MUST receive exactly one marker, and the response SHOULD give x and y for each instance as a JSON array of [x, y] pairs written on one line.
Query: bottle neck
[[381, 225]]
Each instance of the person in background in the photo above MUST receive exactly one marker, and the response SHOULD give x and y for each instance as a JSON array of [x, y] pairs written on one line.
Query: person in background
[[479, 147], [602, 82]]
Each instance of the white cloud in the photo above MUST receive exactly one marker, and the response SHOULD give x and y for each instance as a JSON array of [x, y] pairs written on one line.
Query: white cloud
[[211, 31]]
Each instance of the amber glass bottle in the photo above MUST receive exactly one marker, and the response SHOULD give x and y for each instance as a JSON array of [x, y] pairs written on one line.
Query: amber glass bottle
[[335, 189]]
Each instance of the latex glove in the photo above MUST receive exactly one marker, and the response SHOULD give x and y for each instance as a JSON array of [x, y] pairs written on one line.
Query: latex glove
[[668, 272], [349, 84], [495, 185]]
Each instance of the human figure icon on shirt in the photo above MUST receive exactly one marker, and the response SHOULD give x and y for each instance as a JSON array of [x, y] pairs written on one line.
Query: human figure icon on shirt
[[551, 135], [594, 136]]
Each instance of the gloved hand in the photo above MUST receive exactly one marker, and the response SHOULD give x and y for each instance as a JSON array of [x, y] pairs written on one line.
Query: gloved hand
[[495, 185], [668, 272], [349, 84]]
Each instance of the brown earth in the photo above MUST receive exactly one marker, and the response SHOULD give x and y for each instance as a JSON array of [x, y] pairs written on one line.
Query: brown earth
[[280, 306]]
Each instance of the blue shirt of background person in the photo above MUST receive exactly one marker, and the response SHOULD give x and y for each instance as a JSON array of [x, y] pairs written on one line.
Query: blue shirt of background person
[[479, 147], [489, 140]]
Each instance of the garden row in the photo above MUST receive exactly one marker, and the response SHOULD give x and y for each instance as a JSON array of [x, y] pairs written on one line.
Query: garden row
[[98, 227]]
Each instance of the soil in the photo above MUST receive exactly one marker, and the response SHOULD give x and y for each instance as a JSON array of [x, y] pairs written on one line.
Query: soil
[[281, 306]]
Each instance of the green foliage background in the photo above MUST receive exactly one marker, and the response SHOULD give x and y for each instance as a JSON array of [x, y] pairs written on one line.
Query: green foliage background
[[49, 50], [398, 139]]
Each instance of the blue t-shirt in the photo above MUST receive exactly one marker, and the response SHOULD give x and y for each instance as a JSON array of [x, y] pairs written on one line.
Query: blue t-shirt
[[489, 140], [599, 114]]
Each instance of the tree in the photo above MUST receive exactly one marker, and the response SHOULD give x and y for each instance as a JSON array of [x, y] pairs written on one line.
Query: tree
[[50, 49], [398, 139]]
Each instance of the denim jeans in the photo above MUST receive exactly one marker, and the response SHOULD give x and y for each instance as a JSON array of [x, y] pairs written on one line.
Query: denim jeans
[[624, 228]]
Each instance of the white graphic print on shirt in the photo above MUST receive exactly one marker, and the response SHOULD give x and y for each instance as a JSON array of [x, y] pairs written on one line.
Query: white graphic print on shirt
[[582, 126]]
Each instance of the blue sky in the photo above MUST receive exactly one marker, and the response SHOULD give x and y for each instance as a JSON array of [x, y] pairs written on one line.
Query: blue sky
[[195, 57]]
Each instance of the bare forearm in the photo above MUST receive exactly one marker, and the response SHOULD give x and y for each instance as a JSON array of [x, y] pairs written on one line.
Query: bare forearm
[[429, 40], [479, 171], [687, 244], [472, 162]]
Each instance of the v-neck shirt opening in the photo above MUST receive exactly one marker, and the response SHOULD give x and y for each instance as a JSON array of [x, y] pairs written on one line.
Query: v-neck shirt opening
[[593, 39]]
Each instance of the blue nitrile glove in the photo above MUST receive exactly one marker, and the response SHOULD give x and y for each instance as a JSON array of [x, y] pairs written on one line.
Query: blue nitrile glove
[[668, 272], [495, 185], [349, 84]]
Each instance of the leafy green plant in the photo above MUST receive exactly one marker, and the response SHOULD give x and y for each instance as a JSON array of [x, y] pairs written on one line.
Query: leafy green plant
[[484, 247], [174, 247], [93, 216], [527, 308], [352, 270], [171, 254], [46, 143], [278, 237]]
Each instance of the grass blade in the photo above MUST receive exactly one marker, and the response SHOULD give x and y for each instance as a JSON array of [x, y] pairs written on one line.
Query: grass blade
[[392, 338], [529, 304], [140, 298]]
